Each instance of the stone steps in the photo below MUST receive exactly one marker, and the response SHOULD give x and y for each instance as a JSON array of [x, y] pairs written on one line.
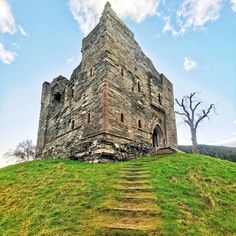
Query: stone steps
[[131, 211], [131, 203], [135, 189], [134, 178], [166, 151], [134, 170], [134, 183], [134, 212], [137, 199], [135, 164], [129, 225], [148, 205], [135, 173], [132, 174], [140, 195], [123, 230]]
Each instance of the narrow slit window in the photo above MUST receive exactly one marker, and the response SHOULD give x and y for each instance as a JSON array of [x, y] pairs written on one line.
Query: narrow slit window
[[91, 72], [72, 92], [122, 117], [159, 99], [88, 118], [72, 124], [122, 72], [139, 87], [140, 124]]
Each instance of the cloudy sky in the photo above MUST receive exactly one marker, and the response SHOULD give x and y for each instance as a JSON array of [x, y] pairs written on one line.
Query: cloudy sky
[[191, 41]]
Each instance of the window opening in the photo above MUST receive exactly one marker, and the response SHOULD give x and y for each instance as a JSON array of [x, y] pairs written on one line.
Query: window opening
[[88, 118], [140, 124], [159, 99], [72, 124], [139, 87], [57, 97], [122, 117], [72, 92], [122, 72]]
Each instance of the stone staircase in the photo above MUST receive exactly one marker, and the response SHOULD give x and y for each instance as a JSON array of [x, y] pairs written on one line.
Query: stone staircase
[[163, 151], [135, 211]]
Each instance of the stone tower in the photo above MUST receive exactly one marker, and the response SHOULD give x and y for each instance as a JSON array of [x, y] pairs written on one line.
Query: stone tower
[[115, 106]]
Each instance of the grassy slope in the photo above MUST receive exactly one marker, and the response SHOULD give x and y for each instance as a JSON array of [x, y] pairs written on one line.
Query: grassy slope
[[196, 195]]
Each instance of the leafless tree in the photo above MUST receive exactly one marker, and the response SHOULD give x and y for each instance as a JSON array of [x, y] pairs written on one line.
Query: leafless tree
[[25, 151], [193, 115]]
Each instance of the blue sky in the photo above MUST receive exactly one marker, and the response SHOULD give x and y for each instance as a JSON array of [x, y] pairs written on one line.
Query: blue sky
[[193, 42]]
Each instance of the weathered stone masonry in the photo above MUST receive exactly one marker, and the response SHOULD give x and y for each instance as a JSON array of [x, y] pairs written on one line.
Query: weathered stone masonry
[[115, 106]]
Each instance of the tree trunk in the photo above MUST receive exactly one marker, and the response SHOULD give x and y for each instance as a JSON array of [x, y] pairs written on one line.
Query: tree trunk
[[194, 141]]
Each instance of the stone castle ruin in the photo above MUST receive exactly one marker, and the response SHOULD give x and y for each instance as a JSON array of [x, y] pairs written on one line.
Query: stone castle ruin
[[115, 106]]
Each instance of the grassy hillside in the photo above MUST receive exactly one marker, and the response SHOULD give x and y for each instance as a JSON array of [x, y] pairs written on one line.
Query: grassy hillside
[[173, 195]]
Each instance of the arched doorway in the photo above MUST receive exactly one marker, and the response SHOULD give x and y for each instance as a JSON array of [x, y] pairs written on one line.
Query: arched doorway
[[157, 137]]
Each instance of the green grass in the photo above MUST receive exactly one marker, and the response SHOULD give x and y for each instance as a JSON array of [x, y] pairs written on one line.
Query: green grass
[[196, 195]]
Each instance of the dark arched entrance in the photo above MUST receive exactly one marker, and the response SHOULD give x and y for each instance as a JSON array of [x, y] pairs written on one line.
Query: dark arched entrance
[[157, 137]]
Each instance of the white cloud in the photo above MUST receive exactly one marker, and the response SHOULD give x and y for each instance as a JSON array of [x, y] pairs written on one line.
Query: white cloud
[[190, 15], [235, 122], [196, 13], [6, 56], [87, 13], [7, 21], [22, 31], [233, 5], [168, 27], [70, 60], [189, 64], [8, 25]]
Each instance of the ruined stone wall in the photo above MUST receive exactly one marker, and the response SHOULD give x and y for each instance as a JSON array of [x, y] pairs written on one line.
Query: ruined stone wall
[[112, 102], [66, 123], [45, 101], [139, 97]]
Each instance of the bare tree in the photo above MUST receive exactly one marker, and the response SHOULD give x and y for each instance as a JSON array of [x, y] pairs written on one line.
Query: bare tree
[[25, 151], [193, 115]]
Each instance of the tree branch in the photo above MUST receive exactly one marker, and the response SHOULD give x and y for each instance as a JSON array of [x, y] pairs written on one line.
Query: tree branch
[[196, 106], [181, 114], [178, 102], [184, 108], [205, 114], [188, 122], [191, 100]]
